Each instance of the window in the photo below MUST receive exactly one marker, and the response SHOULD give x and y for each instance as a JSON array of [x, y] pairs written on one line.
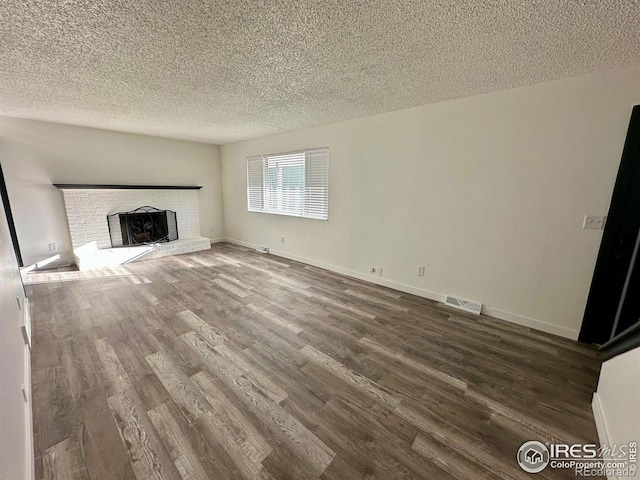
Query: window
[[295, 184]]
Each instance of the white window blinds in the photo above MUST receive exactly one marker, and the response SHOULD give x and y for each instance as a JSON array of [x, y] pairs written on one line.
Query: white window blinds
[[294, 183]]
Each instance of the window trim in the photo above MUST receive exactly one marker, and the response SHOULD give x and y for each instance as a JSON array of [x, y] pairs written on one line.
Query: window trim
[[264, 196]]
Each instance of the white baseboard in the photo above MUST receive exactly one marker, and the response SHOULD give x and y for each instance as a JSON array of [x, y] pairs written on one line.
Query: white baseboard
[[565, 332], [218, 240], [26, 329], [598, 415], [601, 424], [570, 333], [30, 457]]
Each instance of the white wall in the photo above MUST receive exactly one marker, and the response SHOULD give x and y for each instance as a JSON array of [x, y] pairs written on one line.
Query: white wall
[[488, 192], [15, 433], [615, 405], [35, 155]]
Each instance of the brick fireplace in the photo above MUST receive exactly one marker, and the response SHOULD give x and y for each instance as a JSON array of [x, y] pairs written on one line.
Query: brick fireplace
[[89, 206]]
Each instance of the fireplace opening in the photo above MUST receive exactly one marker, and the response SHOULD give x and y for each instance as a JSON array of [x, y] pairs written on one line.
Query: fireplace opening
[[142, 226]]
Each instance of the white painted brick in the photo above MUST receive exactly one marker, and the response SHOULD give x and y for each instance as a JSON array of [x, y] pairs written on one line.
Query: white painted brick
[[89, 257], [87, 211]]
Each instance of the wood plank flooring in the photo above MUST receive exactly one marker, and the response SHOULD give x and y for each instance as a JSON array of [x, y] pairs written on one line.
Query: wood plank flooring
[[229, 364]]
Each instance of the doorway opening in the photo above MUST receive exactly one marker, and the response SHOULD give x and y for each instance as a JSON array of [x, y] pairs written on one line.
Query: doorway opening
[[613, 306]]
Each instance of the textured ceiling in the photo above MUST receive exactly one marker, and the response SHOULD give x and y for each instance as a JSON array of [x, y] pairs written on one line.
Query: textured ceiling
[[221, 71]]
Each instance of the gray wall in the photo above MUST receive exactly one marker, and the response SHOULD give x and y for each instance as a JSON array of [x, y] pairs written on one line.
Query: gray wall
[[14, 419]]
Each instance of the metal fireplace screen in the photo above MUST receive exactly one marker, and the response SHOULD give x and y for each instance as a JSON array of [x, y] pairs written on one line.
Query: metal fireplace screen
[[142, 226]]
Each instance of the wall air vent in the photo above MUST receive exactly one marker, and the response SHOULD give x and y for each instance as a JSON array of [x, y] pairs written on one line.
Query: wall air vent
[[262, 249], [462, 304]]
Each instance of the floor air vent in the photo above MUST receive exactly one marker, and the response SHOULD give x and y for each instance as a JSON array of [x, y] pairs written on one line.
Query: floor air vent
[[466, 305]]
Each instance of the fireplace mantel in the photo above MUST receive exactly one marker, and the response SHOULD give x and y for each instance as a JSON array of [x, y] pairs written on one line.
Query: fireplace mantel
[[83, 186]]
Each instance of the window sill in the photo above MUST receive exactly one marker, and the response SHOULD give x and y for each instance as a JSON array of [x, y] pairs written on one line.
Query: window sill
[[289, 215]]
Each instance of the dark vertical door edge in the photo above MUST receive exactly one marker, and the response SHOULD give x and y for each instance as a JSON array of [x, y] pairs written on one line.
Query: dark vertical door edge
[[618, 242], [7, 210]]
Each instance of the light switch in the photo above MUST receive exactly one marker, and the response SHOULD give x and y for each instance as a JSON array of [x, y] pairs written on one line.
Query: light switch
[[593, 221]]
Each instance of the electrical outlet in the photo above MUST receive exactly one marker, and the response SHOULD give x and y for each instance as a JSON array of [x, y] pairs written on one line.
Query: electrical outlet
[[593, 221], [420, 271], [281, 239], [379, 271], [372, 269], [53, 247]]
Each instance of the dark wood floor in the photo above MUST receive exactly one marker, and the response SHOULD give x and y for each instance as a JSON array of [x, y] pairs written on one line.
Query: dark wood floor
[[232, 364]]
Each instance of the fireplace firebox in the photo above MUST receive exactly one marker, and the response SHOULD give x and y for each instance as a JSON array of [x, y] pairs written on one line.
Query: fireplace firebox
[[142, 226]]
